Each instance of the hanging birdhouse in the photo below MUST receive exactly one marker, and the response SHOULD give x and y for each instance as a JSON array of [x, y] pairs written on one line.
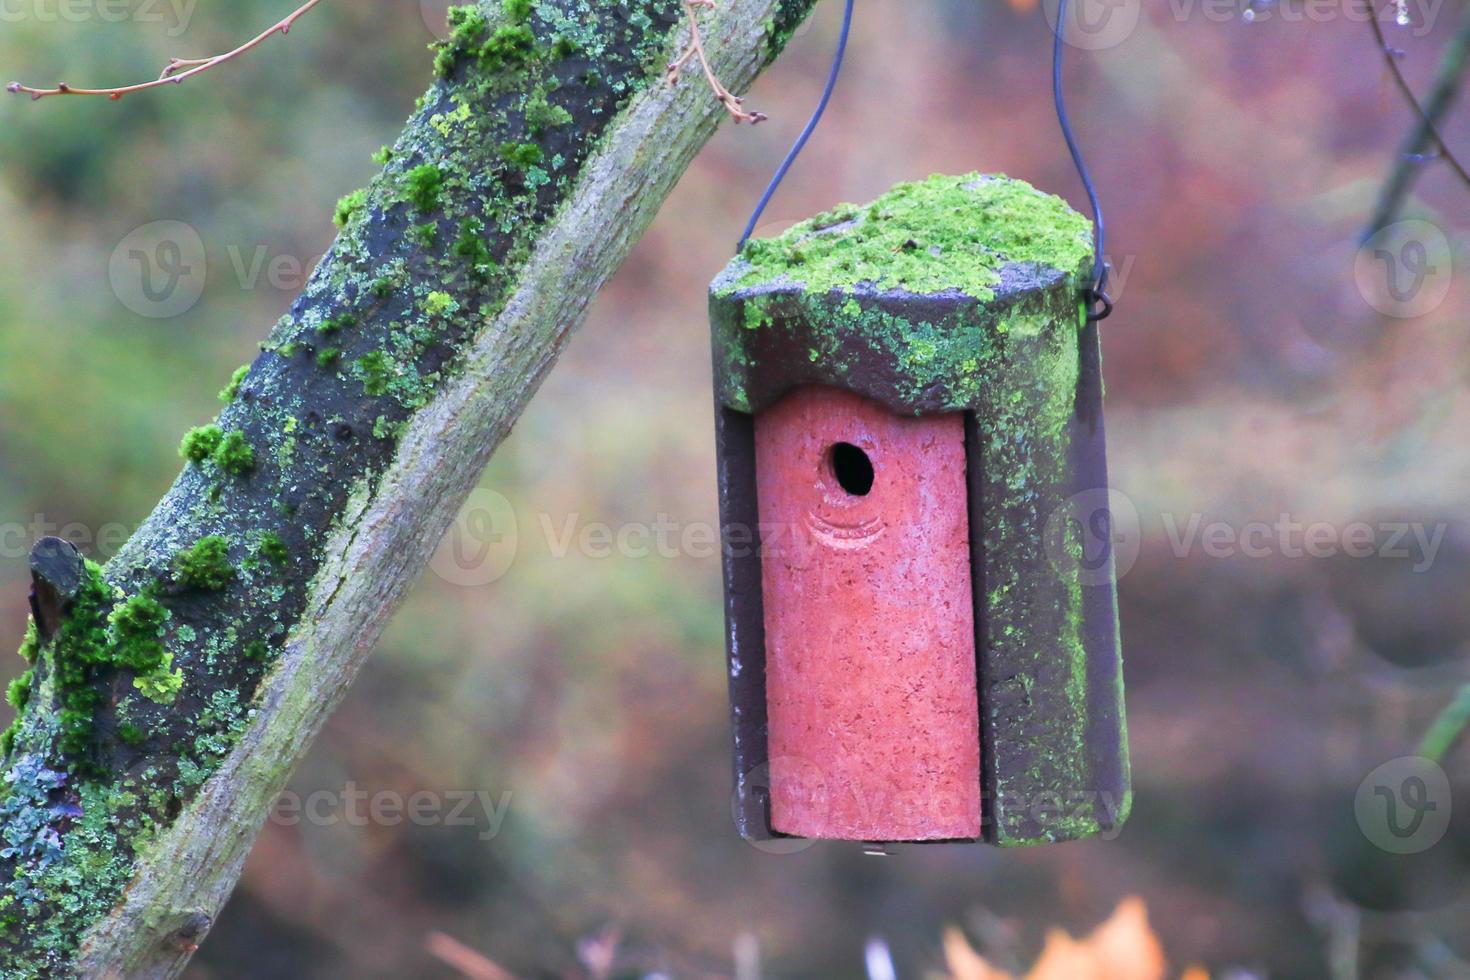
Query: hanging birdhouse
[[923, 641]]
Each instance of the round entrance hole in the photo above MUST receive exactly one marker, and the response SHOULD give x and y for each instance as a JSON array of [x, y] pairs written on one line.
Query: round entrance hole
[[852, 468]]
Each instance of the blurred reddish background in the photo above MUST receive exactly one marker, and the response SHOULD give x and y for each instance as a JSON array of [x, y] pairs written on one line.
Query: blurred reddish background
[[582, 695]]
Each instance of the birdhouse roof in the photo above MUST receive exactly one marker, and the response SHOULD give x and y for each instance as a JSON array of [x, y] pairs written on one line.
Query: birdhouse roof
[[970, 234]]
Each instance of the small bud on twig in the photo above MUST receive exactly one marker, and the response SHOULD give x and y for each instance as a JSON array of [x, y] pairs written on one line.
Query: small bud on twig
[[732, 103]]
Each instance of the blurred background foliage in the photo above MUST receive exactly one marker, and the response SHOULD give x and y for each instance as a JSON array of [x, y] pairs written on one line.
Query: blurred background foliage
[[1248, 378]]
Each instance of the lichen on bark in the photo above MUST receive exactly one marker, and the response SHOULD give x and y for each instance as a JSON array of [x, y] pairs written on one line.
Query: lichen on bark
[[238, 575]]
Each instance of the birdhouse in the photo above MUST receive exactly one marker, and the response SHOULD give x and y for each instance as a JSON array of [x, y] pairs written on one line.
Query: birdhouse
[[922, 627]]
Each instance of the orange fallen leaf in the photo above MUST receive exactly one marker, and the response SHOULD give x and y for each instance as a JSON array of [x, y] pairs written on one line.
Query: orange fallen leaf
[[964, 963], [1122, 948]]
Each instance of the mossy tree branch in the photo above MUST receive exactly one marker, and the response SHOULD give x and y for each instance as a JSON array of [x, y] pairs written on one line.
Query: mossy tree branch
[[174, 690]]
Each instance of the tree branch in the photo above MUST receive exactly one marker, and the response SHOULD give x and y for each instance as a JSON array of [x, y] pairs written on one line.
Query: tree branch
[[1424, 139], [1447, 728], [176, 72], [185, 680]]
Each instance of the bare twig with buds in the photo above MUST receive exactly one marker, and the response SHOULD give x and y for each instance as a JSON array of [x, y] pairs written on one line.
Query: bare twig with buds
[[732, 103], [175, 72]]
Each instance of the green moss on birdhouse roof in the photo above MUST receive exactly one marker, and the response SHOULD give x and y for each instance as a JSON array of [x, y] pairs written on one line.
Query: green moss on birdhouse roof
[[937, 235]]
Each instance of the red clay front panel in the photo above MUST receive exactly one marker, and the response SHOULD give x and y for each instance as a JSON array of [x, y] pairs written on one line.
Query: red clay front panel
[[870, 638]]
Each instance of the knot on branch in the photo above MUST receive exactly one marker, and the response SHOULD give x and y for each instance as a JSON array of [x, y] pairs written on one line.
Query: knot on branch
[[57, 570]]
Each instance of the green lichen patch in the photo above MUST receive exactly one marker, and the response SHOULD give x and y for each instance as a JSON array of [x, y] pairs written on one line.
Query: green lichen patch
[[235, 454], [271, 548], [200, 443], [162, 684], [422, 185], [521, 156], [29, 643], [542, 115], [438, 303], [932, 236], [257, 651], [348, 207], [231, 390], [230, 451], [18, 693], [103, 631], [425, 235], [333, 324], [205, 564], [137, 624], [59, 880], [471, 246], [507, 45]]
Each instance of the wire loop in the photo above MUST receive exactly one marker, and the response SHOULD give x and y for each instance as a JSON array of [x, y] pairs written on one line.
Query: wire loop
[[806, 134], [1097, 293], [1099, 303]]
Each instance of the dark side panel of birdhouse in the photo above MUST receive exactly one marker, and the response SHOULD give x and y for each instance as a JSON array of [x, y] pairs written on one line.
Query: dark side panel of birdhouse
[[1049, 654], [745, 638]]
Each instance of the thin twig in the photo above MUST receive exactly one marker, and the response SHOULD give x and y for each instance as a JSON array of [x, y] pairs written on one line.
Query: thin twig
[[733, 104], [1426, 133], [1447, 728], [468, 962], [175, 72]]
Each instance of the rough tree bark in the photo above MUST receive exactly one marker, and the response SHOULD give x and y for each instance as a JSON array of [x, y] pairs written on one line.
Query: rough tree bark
[[174, 690]]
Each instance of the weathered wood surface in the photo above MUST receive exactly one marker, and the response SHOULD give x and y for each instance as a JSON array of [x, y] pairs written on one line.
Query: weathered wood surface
[[369, 417]]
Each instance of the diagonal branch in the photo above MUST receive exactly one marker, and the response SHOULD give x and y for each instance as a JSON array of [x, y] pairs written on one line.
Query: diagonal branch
[[177, 71], [1448, 728], [1425, 137], [174, 690]]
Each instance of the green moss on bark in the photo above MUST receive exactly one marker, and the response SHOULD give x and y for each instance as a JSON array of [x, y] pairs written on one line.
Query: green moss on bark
[[205, 564], [317, 443]]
